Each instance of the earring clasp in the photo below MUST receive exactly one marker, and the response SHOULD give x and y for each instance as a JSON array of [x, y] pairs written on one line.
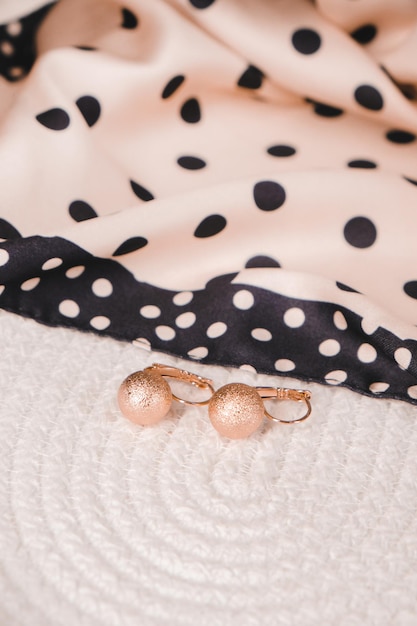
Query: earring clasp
[[187, 377], [282, 393]]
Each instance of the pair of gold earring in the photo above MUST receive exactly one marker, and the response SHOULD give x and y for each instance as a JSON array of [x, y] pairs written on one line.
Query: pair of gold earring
[[235, 410]]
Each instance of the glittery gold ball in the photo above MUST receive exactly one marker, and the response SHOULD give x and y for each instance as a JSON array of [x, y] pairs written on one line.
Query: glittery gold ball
[[144, 398], [236, 410]]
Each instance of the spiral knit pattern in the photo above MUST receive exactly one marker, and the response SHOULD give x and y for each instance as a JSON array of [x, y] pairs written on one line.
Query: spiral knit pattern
[[106, 523]]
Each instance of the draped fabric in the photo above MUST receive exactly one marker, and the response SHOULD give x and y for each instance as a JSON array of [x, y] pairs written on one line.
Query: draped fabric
[[228, 181]]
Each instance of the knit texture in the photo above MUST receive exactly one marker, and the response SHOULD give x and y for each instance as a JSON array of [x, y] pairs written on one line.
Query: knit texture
[[103, 523]]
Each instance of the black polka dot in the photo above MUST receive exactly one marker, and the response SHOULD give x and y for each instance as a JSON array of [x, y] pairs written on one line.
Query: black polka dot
[[363, 164], [364, 34], [130, 245], [269, 195], [219, 283], [324, 110], [410, 180], [191, 163], [360, 232], [172, 86], [210, 226], [410, 289], [251, 78], [81, 211], [86, 48], [89, 108], [201, 4], [8, 231], [369, 97], [55, 119], [141, 192], [262, 261], [281, 151], [306, 41], [400, 136], [190, 111], [130, 20], [344, 287]]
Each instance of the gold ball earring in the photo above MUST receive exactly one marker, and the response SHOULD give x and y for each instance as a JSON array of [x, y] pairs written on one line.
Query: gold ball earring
[[237, 410], [145, 397]]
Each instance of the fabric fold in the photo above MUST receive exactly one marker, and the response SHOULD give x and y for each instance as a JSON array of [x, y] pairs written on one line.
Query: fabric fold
[[228, 182]]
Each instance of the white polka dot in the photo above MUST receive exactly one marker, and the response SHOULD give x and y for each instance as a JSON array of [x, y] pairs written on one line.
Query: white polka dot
[[339, 320], [216, 330], [243, 299], [74, 272], [6, 48], [378, 387], [2, 288], [367, 353], [284, 365], [51, 264], [403, 357], [336, 377], [100, 322], [31, 283], [369, 326], [16, 71], [69, 308], [102, 287], [198, 353], [261, 334], [184, 297], [150, 311], [412, 392], [329, 347], [165, 332], [4, 256], [142, 343], [294, 318], [14, 28], [248, 368], [185, 320]]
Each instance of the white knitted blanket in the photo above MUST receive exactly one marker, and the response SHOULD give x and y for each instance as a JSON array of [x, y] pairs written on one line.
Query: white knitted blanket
[[105, 523]]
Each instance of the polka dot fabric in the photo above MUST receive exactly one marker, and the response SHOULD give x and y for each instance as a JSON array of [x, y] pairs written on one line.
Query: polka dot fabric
[[217, 182], [17, 44]]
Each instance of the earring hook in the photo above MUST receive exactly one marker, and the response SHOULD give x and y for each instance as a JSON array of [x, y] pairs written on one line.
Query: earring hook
[[282, 393], [188, 377]]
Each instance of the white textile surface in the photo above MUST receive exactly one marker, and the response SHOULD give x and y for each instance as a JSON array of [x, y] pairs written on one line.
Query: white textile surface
[[110, 524]]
